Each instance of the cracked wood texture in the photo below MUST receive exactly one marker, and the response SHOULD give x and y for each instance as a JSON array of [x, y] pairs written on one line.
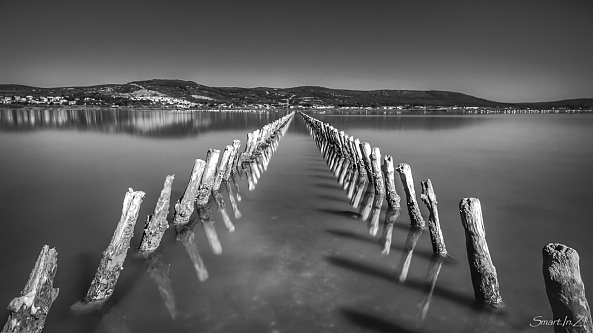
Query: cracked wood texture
[[208, 178], [156, 224], [565, 289], [405, 173], [114, 256], [483, 273], [393, 199], [29, 311], [434, 226], [185, 205]]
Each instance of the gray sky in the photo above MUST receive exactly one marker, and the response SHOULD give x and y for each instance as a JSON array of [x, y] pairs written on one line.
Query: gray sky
[[508, 51]]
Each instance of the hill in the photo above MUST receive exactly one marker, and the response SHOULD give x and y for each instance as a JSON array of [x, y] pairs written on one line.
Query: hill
[[191, 94]]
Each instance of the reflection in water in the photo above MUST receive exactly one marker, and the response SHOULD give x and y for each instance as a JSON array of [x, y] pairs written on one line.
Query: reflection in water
[[404, 263], [186, 235], [403, 122], [436, 261], [154, 123], [159, 271], [391, 215]]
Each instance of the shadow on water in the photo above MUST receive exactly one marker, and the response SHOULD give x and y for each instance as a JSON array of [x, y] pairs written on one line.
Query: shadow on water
[[364, 238], [466, 301], [344, 213], [373, 323], [330, 197]]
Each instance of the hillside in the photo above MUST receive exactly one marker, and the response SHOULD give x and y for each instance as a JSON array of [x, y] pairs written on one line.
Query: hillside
[[190, 94]]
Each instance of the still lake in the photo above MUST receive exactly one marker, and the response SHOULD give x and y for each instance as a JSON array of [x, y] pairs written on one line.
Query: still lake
[[300, 258]]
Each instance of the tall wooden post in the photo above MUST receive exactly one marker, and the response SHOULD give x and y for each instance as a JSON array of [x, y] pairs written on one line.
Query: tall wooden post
[[222, 166], [434, 227], [156, 224], [377, 172], [393, 199], [483, 273], [565, 289], [114, 256], [185, 205], [29, 311], [208, 179], [405, 173]]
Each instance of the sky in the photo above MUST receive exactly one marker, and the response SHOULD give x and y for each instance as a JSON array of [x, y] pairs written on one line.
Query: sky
[[506, 51]]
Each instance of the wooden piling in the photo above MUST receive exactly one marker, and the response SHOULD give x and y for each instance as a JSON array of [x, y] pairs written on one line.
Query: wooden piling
[[434, 227], [377, 172], [565, 289], [114, 256], [156, 224], [208, 179], [405, 173], [29, 311], [185, 205], [366, 150], [222, 166], [483, 272], [393, 199], [232, 159]]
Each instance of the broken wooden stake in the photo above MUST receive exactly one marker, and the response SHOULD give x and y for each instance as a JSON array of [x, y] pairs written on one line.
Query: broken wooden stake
[[434, 227], [29, 311], [377, 172], [222, 166], [393, 199], [208, 178], [405, 173], [565, 289], [114, 256], [156, 224], [483, 272], [185, 205]]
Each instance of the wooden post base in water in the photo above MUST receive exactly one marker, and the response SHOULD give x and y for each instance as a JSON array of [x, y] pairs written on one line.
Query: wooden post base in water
[[483, 273], [28, 311], [156, 224]]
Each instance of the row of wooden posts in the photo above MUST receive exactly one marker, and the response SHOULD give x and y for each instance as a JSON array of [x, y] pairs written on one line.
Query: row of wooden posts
[[29, 311], [357, 165]]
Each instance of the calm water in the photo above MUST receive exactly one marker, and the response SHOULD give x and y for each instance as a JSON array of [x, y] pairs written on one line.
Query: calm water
[[300, 259]]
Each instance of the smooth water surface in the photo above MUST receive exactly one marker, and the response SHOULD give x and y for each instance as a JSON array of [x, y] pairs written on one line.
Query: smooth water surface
[[300, 258]]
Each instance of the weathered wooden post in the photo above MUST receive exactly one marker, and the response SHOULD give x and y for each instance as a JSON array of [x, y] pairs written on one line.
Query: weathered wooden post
[[156, 224], [185, 205], [483, 273], [232, 160], [405, 173], [377, 172], [222, 166], [207, 182], [29, 311], [565, 289], [393, 199], [114, 256], [366, 157], [434, 227]]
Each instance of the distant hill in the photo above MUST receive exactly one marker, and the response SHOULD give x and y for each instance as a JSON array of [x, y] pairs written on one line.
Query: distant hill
[[193, 94]]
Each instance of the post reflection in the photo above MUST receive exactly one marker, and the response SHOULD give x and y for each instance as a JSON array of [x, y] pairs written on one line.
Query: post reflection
[[159, 271], [406, 258]]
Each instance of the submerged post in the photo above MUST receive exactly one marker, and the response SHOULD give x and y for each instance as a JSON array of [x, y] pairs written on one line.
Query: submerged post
[[28, 311], [114, 256], [565, 289], [483, 273], [185, 206], [207, 182], [434, 227], [405, 173], [156, 224]]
